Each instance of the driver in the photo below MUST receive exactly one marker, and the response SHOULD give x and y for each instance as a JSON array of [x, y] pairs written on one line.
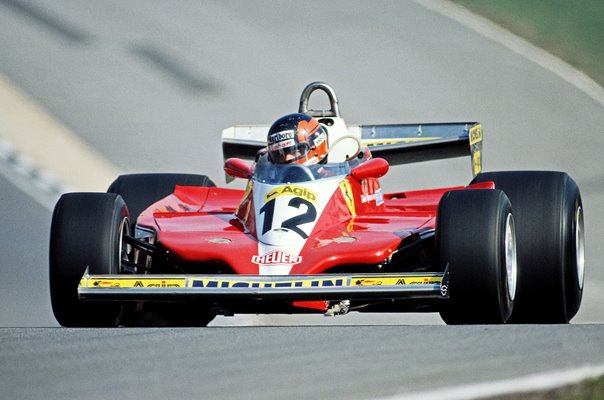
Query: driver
[[298, 139]]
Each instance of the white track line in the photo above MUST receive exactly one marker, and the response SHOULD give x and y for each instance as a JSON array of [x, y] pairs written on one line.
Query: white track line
[[496, 33], [529, 383]]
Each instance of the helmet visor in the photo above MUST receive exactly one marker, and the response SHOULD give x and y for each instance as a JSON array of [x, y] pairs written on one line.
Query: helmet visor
[[288, 151]]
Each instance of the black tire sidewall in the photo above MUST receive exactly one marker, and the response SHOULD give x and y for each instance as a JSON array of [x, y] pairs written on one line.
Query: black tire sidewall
[[470, 239]]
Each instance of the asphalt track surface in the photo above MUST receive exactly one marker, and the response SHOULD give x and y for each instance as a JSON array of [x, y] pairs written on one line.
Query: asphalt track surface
[[151, 85]]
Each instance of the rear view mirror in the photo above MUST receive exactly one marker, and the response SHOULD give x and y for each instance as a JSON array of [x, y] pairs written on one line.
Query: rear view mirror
[[238, 168], [374, 168]]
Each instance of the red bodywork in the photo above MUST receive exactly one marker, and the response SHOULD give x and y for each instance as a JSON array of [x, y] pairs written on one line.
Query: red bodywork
[[208, 226]]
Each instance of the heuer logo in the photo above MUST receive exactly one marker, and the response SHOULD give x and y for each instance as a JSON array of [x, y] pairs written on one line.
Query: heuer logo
[[277, 257]]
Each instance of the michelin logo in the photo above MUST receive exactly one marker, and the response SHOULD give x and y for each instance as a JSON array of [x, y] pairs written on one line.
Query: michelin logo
[[209, 283]]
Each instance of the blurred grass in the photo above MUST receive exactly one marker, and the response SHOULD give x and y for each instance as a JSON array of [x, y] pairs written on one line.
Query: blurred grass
[[573, 30]]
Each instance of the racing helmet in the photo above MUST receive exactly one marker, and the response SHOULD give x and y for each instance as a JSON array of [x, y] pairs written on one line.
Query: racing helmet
[[297, 138]]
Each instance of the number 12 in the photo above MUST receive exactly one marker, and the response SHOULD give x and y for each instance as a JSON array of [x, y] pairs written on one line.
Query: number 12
[[292, 223]]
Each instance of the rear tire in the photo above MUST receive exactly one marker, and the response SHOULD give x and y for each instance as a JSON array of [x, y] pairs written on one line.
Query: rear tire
[[475, 238], [551, 243], [139, 191], [86, 232]]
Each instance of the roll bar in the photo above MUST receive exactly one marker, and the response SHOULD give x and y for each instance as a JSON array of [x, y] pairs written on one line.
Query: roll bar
[[334, 110]]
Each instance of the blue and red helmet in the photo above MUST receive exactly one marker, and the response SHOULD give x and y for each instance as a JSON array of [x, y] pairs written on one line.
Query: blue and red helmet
[[297, 138]]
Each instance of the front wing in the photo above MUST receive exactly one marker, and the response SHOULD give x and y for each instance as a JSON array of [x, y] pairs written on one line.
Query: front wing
[[262, 287]]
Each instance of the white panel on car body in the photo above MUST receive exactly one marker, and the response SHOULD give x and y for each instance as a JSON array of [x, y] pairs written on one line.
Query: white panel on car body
[[286, 214]]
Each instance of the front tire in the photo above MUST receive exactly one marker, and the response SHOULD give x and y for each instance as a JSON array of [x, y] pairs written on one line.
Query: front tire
[[476, 241], [86, 232]]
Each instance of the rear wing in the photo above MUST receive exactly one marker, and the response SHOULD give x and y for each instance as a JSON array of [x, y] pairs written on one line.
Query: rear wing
[[397, 143]]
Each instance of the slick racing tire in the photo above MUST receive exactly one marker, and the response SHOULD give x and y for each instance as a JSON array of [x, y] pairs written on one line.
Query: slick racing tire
[[551, 243], [139, 191], [86, 232], [475, 239]]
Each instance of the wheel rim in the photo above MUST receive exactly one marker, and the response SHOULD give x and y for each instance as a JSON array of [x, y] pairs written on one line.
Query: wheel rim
[[511, 261], [580, 246], [124, 249]]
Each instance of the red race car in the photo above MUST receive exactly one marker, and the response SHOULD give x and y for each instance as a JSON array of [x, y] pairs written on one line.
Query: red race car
[[318, 235]]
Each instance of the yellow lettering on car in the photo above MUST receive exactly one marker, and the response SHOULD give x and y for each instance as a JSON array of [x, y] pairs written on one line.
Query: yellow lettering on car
[[134, 283], [475, 134], [291, 190], [395, 281]]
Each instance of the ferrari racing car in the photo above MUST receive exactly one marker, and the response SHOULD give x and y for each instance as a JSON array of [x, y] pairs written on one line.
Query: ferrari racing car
[[322, 237]]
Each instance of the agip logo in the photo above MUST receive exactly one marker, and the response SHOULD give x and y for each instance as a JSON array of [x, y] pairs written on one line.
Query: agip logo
[[276, 257], [291, 190]]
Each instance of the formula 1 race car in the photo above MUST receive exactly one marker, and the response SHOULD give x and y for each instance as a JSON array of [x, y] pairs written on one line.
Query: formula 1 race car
[[173, 249]]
